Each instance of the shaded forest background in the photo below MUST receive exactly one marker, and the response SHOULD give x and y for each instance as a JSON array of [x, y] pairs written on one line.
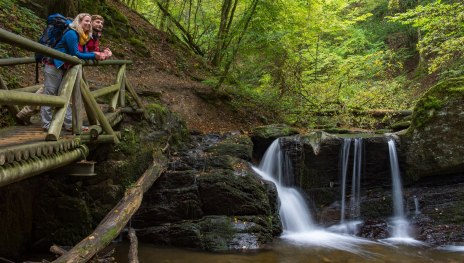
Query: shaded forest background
[[310, 63]]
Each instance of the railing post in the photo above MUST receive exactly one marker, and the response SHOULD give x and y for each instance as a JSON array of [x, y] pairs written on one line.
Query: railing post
[[136, 98], [122, 92], [77, 104], [66, 89], [120, 83]]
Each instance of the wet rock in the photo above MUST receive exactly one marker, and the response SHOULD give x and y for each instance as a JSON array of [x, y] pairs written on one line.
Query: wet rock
[[374, 229], [212, 233], [172, 198], [224, 193], [237, 146], [210, 199]]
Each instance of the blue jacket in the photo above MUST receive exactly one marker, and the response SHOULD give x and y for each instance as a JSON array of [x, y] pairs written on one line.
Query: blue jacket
[[68, 44]]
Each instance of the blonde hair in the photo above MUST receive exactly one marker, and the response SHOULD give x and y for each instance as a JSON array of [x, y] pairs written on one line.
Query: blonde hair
[[76, 24]]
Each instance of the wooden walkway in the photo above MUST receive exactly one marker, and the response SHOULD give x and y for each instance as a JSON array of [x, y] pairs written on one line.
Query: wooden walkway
[[26, 151]]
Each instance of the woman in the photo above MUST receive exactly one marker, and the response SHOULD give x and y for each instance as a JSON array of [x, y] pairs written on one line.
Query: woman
[[79, 33]]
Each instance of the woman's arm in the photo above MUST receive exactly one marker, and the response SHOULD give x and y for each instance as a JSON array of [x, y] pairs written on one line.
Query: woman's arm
[[71, 40]]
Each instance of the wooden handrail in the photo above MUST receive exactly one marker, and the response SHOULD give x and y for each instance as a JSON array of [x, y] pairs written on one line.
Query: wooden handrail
[[33, 46], [16, 61], [12, 97]]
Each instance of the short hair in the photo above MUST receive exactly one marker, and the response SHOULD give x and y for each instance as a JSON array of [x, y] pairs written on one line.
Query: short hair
[[97, 17]]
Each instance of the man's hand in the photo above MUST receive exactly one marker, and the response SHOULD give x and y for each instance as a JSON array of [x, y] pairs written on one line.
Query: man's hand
[[108, 52], [100, 56]]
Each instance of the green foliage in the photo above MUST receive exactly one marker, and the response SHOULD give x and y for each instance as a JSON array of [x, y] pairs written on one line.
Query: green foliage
[[442, 29]]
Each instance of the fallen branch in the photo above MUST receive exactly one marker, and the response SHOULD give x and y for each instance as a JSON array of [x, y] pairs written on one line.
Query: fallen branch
[[110, 227], [133, 251]]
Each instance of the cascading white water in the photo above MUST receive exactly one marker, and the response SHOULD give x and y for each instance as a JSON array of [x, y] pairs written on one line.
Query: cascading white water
[[345, 156], [298, 227], [294, 213], [355, 200], [400, 223]]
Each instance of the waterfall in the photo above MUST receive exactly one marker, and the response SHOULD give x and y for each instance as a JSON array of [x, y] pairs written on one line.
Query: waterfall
[[298, 226], [400, 223], [345, 156], [294, 213], [355, 200]]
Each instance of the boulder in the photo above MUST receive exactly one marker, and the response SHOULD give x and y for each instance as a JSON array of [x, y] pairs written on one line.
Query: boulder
[[433, 145], [225, 193], [210, 199]]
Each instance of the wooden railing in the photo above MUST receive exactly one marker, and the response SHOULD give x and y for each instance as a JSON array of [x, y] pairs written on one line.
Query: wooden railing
[[74, 91]]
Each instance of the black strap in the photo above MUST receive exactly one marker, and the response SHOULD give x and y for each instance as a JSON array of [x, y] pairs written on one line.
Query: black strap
[[36, 72]]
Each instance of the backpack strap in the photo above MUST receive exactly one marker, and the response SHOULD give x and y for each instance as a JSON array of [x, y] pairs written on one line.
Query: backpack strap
[[36, 72]]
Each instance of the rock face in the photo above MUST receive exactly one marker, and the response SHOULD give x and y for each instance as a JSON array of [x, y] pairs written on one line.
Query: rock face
[[263, 136], [315, 158], [434, 142], [210, 199]]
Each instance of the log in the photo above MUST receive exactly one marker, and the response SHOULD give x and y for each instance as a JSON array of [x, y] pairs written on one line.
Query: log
[[57, 250], [110, 227], [133, 250], [372, 113]]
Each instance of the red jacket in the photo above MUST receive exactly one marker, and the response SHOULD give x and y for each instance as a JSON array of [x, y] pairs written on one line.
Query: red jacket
[[92, 46]]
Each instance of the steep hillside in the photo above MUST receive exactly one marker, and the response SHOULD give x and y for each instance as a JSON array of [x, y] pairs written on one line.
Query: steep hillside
[[163, 70]]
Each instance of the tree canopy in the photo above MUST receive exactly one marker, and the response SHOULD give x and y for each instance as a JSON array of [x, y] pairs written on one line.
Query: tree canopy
[[302, 59]]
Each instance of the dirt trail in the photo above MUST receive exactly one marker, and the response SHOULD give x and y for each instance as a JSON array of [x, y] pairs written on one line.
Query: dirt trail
[[168, 72]]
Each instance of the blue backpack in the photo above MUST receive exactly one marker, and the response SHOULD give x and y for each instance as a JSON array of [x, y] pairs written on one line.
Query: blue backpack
[[57, 25]]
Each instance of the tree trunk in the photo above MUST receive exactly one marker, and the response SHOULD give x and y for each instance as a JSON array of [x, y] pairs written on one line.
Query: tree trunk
[[68, 8], [226, 5], [239, 40]]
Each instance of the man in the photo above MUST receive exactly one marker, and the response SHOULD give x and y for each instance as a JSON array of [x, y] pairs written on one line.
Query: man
[[93, 45]]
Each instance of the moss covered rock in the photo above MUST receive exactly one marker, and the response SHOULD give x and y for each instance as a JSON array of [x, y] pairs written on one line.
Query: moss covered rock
[[433, 143], [239, 146]]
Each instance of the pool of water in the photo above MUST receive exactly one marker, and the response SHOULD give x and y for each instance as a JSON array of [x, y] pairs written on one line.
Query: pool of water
[[284, 251]]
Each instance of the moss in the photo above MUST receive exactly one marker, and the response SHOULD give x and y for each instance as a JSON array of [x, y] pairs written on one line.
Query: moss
[[139, 46], [217, 232], [434, 100], [274, 131]]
